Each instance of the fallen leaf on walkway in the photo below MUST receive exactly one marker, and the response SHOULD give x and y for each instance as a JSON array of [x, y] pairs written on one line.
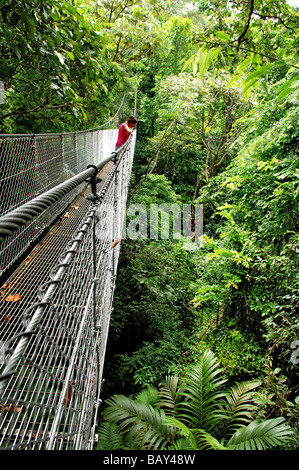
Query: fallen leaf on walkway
[[66, 215], [13, 298], [75, 206], [6, 318], [9, 298], [6, 286], [29, 258], [68, 394], [6, 408], [116, 242]]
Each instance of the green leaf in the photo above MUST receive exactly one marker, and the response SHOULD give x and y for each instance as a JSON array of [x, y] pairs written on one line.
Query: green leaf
[[260, 435], [29, 23], [287, 84], [285, 93], [214, 53], [188, 62], [205, 62], [245, 63], [234, 79], [259, 72], [248, 86], [251, 78], [71, 55], [83, 112], [222, 35], [184, 430]]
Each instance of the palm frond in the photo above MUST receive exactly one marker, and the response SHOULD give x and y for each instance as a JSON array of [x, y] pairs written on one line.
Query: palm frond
[[181, 444], [239, 407], [168, 393], [109, 437], [194, 439], [138, 421], [202, 394], [205, 441], [261, 435], [148, 396], [184, 431]]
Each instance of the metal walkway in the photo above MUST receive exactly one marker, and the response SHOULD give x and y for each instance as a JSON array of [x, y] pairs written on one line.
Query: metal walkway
[[55, 311]]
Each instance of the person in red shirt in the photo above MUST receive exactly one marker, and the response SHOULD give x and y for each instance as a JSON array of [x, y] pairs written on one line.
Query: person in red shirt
[[125, 129]]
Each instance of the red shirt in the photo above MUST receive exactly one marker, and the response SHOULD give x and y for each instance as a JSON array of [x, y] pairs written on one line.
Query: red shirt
[[123, 135]]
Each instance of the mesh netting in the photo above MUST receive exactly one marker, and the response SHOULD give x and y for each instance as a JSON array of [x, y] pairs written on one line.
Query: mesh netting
[[31, 165], [54, 340]]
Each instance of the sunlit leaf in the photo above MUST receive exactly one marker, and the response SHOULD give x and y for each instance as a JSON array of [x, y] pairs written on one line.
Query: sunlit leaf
[[285, 93], [222, 35]]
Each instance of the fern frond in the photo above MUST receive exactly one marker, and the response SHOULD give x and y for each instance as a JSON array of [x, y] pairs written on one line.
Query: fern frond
[[206, 441]]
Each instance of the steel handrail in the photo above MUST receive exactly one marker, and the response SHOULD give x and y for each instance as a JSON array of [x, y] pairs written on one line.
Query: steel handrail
[[21, 216]]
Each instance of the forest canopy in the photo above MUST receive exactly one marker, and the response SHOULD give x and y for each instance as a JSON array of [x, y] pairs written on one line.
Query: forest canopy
[[218, 125]]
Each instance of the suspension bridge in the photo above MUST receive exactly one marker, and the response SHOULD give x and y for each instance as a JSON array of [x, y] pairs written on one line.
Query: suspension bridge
[[63, 204]]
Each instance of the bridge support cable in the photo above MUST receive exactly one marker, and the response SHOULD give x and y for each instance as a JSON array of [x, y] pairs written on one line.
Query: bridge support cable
[[51, 375]]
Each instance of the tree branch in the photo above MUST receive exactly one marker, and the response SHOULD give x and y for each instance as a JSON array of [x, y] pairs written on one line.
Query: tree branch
[[33, 110], [240, 38]]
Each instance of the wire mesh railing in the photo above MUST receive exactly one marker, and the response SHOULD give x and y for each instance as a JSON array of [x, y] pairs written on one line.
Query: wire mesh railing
[[33, 164], [53, 358]]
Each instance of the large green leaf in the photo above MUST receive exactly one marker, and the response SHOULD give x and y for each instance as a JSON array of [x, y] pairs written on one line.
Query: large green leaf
[[202, 60], [222, 35], [284, 93], [261, 435]]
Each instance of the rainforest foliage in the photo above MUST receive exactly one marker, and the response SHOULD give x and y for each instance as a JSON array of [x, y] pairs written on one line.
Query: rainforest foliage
[[218, 110]]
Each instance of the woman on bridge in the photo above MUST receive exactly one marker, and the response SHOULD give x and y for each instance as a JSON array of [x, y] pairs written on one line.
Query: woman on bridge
[[125, 129]]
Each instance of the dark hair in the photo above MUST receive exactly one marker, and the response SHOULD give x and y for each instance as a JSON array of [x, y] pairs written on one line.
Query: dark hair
[[132, 120]]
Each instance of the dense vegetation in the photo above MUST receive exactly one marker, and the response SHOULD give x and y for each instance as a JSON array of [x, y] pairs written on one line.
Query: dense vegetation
[[218, 91]]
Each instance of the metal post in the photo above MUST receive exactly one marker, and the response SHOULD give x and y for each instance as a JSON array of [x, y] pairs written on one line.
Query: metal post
[[76, 153]]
